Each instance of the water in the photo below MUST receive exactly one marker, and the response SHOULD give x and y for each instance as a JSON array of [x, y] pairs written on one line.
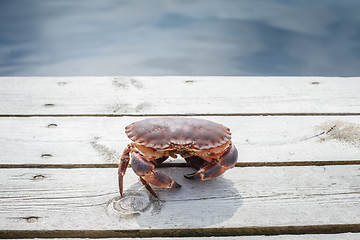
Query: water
[[203, 37]]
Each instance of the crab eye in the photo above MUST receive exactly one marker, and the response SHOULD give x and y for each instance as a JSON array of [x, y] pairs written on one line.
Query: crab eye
[[190, 145], [172, 145]]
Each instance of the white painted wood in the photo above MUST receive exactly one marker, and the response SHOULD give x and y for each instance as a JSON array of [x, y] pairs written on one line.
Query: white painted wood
[[85, 199], [88, 140], [178, 95]]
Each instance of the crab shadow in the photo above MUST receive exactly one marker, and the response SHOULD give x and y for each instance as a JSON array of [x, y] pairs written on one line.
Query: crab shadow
[[196, 204]]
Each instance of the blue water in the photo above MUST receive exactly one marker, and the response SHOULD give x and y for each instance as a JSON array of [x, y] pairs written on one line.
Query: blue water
[[200, 37]]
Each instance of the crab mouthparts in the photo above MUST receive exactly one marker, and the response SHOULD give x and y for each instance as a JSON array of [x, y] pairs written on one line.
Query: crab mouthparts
[[182, 151]]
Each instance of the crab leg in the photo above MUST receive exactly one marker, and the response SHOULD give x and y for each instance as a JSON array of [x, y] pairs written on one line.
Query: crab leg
[[124, 162], [147, 173], [212, 170], [148, 187]]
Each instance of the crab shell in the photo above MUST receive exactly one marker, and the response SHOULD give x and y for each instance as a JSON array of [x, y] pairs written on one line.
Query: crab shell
[[167, 133]]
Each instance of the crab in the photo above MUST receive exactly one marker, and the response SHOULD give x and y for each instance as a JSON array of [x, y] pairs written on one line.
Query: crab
[[205, 145]]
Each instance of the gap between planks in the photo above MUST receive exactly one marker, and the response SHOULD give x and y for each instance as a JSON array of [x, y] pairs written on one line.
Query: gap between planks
[[182, 115], [195, 232], [163, 165]]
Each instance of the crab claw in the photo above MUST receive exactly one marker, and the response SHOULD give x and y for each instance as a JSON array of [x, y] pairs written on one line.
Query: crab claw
[[147, 173], [227, 160]]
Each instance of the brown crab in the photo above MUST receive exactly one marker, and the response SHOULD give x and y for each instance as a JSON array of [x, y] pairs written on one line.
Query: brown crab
[[205, 145]]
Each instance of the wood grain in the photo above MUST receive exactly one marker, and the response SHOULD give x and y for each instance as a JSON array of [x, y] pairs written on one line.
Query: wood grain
[[28, 96]]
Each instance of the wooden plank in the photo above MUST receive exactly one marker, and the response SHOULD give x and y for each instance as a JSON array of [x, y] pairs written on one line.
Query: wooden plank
[[342, 236], [187, 95], [339, 236], [100, 140], [277, 199]]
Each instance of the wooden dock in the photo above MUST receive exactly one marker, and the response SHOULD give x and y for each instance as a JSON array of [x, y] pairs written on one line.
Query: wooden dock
[[297, 177]]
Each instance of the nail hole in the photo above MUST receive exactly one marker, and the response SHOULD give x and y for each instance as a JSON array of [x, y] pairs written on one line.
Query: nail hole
[[62, 83], [49, 105], [31, 219], [315, 83], [46, 155], [39, 177], [189, 81], [52, 125]]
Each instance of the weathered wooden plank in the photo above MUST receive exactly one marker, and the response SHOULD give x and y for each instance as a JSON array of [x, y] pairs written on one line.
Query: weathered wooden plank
[[243, 198], [341, 236], [187, 95], [100, 140], [63, 234]]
